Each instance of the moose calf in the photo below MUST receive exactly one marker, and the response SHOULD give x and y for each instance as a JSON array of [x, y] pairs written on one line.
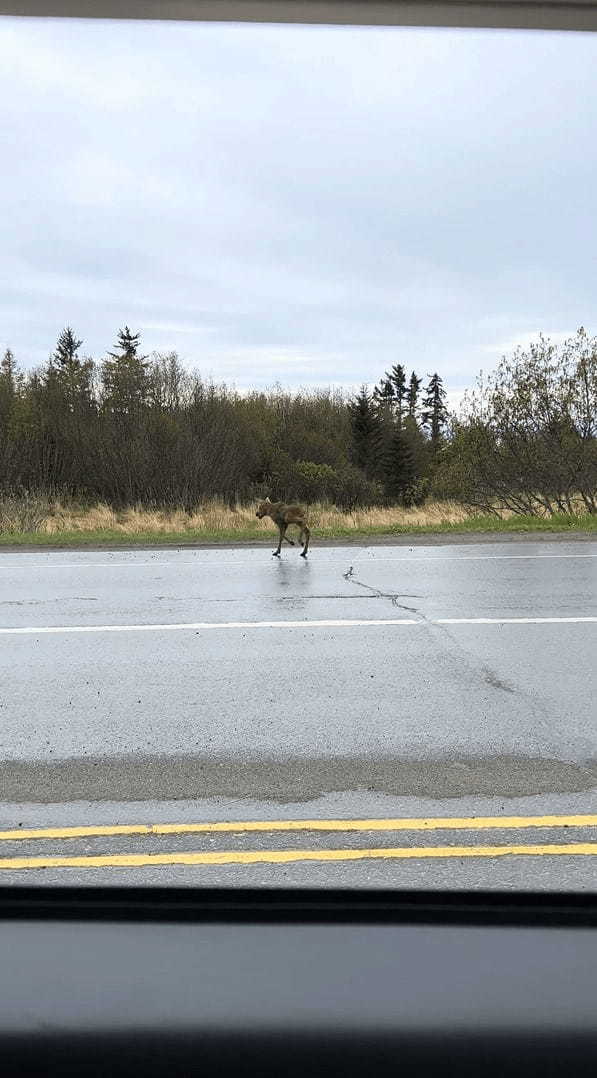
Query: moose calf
[[283, 515]]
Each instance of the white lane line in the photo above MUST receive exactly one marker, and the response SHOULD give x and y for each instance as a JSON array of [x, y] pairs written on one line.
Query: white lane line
[[91, 565], [512, 621], [199, 626], [158, 564], [327, 623], [484, 557]]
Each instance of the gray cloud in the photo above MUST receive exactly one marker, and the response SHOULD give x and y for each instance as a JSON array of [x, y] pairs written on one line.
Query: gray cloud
[[294, 203]]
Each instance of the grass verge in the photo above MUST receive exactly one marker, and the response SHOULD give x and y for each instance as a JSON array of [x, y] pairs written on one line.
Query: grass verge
[[247, 531]]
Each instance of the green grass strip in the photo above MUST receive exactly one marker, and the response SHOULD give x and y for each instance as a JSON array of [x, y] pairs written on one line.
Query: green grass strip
[[474, 525]]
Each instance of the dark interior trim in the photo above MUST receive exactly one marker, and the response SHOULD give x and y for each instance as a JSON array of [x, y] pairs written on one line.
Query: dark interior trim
[[296, 906], [502, 14]]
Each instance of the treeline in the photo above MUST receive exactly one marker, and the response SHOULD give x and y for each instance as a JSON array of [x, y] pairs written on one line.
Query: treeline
[[526, 437], [133, 428], [139, 429], [397, 434]]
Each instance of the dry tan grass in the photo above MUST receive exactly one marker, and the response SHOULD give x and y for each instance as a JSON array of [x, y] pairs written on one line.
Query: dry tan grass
[[388, 516], [23, 514], [214, 516]]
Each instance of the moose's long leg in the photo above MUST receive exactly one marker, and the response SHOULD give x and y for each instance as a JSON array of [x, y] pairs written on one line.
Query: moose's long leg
[[282, 529], [291, 541], [307, 534]]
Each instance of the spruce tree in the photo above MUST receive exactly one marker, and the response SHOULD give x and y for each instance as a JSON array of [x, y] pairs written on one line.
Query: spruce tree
[[398, 380], [68, 376], [10, 377], [124, 375], [400, 468], [65, 355], [128, 346], [412, 395], [434, 412], [365, 426], [384, 393], [10, 380]]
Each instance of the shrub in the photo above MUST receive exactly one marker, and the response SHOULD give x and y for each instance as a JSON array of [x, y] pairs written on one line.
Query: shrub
[[23, 512]]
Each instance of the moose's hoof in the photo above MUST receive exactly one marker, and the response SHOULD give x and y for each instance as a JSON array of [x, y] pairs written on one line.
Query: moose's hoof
[[303, 553], [275, 553], [290, 541]]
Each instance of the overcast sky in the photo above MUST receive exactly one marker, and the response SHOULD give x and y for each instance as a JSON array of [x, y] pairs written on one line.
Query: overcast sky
[[299, 204]]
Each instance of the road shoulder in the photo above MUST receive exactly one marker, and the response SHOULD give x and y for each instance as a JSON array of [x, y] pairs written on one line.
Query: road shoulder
[[465, 538]]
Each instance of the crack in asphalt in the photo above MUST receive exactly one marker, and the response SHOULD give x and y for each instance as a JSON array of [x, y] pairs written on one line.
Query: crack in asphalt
[[497, 682], [454, 650], [458, 654], [392, 596]]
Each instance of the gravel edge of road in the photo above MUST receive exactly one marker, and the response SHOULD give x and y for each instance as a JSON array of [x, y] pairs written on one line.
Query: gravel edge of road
[[404, 539]]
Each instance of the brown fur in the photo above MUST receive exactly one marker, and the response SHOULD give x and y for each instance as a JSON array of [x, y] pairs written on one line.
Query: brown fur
[[284, 515]]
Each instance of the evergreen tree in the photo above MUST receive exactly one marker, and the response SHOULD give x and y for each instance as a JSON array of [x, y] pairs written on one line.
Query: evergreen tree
[[413, 395], [434, 412], [398, 380], [10, 377], [400, 468], [365, 427], [10, 381], [124, 375], [128, 346], [69, 376], [8, 370], [65, 355], [384, 393]]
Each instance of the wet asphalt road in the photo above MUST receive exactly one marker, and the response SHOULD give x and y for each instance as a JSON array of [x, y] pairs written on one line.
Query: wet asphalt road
[[437, 712]]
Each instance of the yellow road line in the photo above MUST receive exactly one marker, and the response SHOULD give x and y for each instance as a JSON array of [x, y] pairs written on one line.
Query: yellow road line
[[431, 823], [277, 857]]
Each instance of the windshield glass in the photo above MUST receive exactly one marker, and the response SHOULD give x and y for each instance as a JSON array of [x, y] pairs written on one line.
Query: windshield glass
[[290, 593]]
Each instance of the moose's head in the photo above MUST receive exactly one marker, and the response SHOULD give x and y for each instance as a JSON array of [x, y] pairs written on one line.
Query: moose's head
[[263, 508]]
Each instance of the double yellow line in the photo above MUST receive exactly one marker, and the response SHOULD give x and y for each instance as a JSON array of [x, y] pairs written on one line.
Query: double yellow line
[[251, 857]]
